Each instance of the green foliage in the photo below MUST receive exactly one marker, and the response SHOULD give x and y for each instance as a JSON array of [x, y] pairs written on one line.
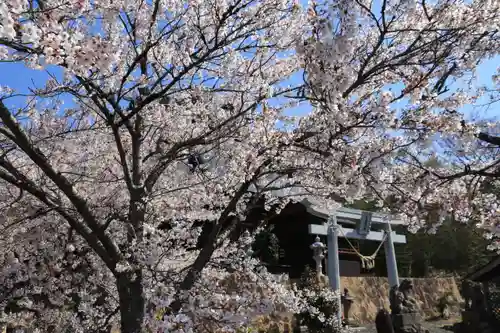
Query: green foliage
[[266, 247], [454, 249], [363, 205], [307, 279], [320, 317]]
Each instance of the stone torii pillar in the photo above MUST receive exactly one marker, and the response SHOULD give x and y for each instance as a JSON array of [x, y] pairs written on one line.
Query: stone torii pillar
[[333, 261], [333, 265], [390, 258]]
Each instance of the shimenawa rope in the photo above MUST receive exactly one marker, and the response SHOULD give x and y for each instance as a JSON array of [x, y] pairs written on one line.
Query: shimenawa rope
[[367, 262]]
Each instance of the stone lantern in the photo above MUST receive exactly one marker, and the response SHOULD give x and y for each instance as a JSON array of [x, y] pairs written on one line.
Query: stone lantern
[[346, 301], [318, 255]]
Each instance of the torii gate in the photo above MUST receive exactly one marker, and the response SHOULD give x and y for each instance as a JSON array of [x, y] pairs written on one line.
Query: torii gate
[[363, 220]]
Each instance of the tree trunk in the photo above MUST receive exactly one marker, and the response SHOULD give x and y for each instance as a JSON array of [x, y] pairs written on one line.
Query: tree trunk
[[132, 302]]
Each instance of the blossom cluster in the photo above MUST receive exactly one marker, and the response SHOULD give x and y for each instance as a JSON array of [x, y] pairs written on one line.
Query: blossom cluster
[[126, 178]]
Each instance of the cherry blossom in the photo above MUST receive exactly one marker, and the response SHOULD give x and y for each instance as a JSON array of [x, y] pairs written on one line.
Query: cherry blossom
[[171, 115], [165, 128], [388, 82]]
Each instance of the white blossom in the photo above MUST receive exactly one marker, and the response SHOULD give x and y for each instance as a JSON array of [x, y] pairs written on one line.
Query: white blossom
[[181, 121]]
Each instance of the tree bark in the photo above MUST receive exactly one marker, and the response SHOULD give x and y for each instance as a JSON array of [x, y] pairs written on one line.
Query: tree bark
[[491, 139], [131, 295]]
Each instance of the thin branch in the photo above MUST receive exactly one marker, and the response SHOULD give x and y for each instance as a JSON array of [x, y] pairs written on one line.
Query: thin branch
[[36, 155]]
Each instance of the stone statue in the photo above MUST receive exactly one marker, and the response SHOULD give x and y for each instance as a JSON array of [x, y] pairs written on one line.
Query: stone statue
[[475, 315], [401, 298], [478, 300], [473, 295], [404, 309], [467, 291]]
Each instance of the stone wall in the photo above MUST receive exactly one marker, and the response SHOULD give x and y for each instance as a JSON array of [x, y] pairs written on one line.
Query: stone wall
[[372, 293]]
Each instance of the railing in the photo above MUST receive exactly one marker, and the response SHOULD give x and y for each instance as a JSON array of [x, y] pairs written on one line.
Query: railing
[[493, 301], [348, 251]]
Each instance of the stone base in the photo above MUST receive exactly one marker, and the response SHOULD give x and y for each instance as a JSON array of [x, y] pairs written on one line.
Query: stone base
[[407, 323], [471, 318], [473, 322], [406, 319]]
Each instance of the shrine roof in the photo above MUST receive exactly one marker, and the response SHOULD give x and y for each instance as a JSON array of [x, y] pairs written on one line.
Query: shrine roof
[[324, 208], [488, 272]]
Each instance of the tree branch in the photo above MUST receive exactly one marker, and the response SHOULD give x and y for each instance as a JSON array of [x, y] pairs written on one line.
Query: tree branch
[[494, 140], [23, 142], [27, 185]]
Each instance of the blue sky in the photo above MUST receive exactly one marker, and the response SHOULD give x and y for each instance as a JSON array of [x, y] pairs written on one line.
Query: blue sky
[[485, 72], [21, 78]]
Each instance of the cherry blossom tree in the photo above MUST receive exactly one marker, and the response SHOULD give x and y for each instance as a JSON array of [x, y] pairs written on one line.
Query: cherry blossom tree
[[170, 112], [170, 120], [389, 80]]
